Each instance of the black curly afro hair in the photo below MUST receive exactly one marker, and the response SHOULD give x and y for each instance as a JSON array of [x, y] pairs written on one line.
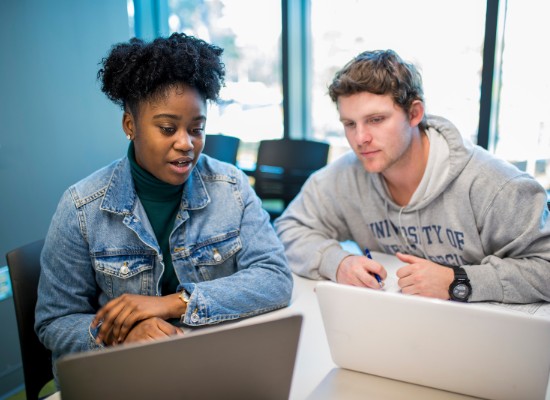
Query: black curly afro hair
[[134, 71]]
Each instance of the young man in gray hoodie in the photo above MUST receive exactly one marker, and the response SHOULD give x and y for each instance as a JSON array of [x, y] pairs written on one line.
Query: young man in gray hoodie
[[466, 225]]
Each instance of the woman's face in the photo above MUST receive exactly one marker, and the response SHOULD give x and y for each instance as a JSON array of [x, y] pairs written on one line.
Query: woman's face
[[168, 133]]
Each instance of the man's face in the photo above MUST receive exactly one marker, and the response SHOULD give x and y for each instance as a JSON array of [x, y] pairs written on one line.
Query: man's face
[[377, 130], [168, 134]]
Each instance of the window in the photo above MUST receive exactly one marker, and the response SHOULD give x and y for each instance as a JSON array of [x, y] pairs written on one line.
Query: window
[[444, 39], [522, 132], [250, 105]]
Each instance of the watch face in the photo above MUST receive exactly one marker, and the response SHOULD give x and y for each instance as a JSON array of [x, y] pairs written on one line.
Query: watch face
[[461, 291]]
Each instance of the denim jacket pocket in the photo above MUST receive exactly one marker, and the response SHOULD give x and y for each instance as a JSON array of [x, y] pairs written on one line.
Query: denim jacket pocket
[[125, 274], [215, 257]]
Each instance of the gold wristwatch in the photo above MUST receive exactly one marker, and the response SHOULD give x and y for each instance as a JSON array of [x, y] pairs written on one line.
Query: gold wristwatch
[[184, 296]]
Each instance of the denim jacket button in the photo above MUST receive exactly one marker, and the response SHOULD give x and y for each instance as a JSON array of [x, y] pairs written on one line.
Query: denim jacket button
[[217, 255], [195, 317], [124, 269]]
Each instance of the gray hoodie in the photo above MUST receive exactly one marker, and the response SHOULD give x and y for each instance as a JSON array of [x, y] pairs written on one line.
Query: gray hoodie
[[470, 209]]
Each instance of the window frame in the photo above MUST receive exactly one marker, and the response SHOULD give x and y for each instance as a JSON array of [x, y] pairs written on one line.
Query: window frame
[[151, 20]]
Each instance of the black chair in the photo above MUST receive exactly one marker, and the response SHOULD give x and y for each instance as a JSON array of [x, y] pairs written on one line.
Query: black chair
[[24, 269], [283, 166], [222, 147]]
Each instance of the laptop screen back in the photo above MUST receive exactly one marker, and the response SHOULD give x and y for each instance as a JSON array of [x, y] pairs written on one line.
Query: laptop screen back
[[462, 348], [241, 362]]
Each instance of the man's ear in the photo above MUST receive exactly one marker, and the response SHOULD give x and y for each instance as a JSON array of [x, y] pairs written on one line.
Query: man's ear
[[129, 125], [416, 112]]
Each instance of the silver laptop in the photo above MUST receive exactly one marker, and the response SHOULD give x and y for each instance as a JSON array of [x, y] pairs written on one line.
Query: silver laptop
[[250, 361], [478, 351]]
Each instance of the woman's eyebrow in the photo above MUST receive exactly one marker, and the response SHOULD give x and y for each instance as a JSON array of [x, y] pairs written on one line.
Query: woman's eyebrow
[[178, 117]]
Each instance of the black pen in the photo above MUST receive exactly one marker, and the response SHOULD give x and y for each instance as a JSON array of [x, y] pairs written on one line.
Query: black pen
[[367, 253]]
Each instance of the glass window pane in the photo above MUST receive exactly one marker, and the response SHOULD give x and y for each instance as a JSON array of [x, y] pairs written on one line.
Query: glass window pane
[[444, 39], [250, 105], [523, 127]]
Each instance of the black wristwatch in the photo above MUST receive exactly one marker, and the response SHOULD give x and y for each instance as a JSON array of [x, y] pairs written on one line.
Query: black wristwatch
[[460, 289]]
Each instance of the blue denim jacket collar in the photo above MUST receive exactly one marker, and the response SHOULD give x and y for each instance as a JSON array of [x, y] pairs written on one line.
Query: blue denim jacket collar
[[120, 195], [194, 195]]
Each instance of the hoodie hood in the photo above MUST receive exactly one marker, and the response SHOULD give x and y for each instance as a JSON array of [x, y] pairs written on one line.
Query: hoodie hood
[[460, 151]]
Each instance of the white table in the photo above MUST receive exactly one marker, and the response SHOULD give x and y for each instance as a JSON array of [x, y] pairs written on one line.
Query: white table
[[316, 377]]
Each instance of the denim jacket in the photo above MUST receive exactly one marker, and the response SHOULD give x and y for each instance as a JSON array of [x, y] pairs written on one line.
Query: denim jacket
[[100, 245]]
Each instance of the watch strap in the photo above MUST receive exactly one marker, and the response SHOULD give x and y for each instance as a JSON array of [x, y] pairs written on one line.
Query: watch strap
[[460, 273]]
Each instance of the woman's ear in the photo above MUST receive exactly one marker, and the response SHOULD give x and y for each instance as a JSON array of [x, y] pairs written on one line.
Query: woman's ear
[[416, 112], [128, 125]]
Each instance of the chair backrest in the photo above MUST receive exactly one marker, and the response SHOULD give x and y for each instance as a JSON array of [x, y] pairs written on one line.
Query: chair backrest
[[222, 147], [284, 165], [24, 268]]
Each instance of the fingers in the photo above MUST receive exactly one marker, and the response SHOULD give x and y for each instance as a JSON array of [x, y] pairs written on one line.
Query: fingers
[[152, 329], [407, 285], [169, 329], [107, 316], [408, 258], [118, 317], [425, 278], [368, 280], [365, 276], [378, 269], [123, 323], [360, 271], [406, 277]]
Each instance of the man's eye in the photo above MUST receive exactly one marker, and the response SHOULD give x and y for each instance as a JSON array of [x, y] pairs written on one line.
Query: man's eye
[[376, 120], [197, 131]]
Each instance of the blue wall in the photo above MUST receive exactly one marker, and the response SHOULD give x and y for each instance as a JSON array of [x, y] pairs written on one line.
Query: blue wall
[[56, 126]]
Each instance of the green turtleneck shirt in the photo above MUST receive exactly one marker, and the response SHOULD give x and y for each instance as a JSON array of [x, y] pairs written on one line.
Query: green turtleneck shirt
[[161, 201]]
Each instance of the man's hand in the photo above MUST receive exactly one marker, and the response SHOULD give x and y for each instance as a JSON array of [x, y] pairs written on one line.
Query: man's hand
[[424, 277], [152, 329], [120, 315], [359, 271]]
